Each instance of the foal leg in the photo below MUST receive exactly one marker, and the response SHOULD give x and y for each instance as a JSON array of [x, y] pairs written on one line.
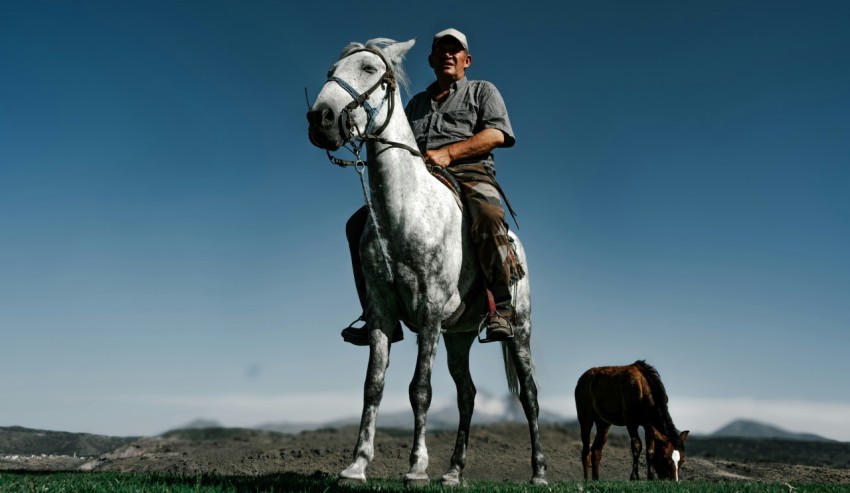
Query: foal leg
[[373, 390], [420, 401], [598, 444], [520, 352], [585, 421], [457, 347], [585, 416], [636, 448], [586, 427], [650, 451]]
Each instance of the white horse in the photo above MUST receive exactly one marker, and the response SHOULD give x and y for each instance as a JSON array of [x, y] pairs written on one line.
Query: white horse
[[419, 264]]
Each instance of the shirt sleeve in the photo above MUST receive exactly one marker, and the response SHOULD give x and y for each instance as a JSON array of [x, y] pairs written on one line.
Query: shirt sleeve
[[493, 113]]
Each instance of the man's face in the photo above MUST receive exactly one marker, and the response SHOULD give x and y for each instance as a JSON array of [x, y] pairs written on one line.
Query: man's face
[[448, 59]]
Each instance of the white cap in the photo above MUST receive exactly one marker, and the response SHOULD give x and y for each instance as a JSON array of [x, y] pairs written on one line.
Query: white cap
[[453, 33]]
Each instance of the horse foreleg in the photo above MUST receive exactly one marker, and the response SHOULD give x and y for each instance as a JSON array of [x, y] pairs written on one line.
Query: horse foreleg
[[457, 347], [373, 391], [420, 401], [650, 451], [636, 448], [520, 352], [598, 444]]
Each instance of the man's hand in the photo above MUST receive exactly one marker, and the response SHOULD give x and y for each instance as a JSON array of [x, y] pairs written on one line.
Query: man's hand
[[440, 157], [478, 145]]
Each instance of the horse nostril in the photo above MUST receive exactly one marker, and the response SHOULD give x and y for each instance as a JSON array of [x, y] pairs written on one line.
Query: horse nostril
[[320, 117]]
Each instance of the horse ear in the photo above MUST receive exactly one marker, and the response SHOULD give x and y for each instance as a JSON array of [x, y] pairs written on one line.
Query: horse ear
[[398, 50], [684, 435]]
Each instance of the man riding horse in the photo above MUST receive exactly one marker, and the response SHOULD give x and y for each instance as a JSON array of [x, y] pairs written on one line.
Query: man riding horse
[[457, 123]]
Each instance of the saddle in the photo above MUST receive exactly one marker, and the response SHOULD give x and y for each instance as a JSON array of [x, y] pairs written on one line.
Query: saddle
[[444, 176]]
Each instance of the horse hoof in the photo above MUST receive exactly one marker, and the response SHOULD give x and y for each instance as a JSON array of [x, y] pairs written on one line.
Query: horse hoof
[[351, 479], [539, 481], [416, 480], [450, 480]]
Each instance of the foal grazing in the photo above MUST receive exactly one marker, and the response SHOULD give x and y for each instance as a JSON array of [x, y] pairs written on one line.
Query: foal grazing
[[630, 396]]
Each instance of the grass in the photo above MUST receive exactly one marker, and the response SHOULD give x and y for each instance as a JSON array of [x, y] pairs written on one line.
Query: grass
[[109, 482]]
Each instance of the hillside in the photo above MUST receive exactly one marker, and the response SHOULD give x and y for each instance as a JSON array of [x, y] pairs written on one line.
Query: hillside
[[496, 452], [27, 441]]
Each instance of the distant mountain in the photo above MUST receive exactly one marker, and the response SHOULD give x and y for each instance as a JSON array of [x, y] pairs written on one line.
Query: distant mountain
[[27, 441], [488, 409], [743, 428], [200, 423]]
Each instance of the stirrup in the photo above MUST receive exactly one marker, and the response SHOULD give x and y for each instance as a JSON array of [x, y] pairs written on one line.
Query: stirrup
[[359, 336], [355, 335], [483, 326], [358, 319]]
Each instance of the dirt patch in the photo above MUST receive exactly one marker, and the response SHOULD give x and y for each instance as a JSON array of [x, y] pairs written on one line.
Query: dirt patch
[[496, 452]]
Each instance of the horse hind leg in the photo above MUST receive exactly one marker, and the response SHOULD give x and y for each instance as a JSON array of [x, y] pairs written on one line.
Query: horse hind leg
[[585, 421], [599, 441], [518, 355], [457, 348], [585, 416], [420, 401]]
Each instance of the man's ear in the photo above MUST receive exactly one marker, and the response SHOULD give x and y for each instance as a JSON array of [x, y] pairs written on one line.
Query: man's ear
[[431, 61], [468, 60]]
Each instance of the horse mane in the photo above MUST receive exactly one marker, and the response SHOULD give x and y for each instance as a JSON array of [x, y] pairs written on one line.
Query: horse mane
[[380, 44], [659, 395]]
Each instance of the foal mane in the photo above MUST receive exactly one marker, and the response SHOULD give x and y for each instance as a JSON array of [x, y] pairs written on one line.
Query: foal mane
[[659, 395], [380, 44]]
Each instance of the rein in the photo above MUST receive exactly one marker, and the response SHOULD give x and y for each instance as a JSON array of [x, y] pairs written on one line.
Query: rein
[[346, 126]]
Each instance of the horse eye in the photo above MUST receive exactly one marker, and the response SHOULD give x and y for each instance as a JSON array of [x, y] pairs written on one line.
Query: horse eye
[[370, 69]]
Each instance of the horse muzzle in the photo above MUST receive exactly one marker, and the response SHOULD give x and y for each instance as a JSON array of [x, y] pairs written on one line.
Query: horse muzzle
[[324, 131]]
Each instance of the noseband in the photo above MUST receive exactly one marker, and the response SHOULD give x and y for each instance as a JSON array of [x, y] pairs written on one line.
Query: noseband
[[346, 125]]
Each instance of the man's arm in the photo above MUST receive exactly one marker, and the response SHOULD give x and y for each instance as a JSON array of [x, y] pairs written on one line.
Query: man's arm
[[478, 145]]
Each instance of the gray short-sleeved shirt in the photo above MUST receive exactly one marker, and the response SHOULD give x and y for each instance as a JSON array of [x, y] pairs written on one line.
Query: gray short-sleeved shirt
[[472, 106]]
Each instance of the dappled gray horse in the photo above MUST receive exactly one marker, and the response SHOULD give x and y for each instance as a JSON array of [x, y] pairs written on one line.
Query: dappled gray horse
[[417, 258]]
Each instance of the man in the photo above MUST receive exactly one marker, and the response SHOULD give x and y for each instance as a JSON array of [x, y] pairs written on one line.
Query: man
[[457, 124]]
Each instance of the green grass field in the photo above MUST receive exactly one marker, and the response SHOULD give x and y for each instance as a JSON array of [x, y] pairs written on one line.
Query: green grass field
[[137, 482]]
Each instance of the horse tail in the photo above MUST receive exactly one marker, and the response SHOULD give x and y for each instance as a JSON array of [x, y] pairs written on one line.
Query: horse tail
[[510, 370], [659, 395]]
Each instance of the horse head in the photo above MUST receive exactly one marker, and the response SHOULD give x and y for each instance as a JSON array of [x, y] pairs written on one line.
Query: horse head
[[669, 455], [359, 95]]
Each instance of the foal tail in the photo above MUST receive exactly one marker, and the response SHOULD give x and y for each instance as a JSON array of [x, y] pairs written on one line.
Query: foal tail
[[659, 395]]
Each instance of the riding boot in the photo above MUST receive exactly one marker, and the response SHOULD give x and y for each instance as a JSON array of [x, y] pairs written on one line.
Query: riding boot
[[500, 316], [359, 336], [494, 252], [353, 232]]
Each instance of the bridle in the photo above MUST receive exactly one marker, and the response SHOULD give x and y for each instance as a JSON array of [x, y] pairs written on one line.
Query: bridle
[[345, 122], [347, 130]]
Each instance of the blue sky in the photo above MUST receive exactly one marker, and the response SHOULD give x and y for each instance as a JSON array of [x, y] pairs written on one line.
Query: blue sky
[[172, 247]]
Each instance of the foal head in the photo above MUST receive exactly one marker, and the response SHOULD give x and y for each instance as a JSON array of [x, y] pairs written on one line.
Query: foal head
[[669, 455]]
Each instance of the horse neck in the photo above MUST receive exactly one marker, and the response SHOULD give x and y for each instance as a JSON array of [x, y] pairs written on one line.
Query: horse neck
[[396, 176], [659, 395]]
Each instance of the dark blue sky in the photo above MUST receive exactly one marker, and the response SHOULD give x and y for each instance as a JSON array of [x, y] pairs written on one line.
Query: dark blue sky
[[172, 246]]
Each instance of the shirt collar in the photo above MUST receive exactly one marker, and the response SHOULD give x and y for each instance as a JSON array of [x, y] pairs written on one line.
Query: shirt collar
[[458, 84]]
